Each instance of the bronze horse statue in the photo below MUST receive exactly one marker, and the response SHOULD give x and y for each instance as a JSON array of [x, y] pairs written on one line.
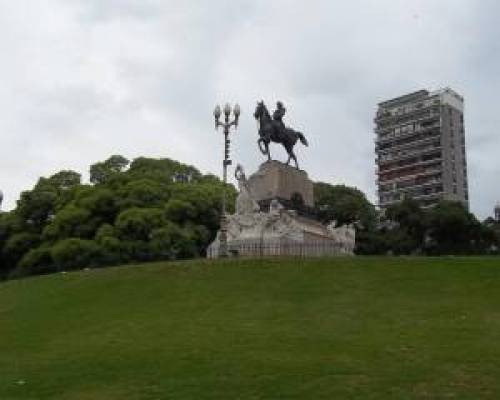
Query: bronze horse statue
[[273, 130]]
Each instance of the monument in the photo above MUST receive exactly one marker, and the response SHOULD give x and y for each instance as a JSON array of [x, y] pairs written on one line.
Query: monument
[[275, 206]]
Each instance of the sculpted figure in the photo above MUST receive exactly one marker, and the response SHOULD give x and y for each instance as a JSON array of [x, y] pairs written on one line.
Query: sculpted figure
[[275, 207], [245, 204], [278, 115], [345, 235]]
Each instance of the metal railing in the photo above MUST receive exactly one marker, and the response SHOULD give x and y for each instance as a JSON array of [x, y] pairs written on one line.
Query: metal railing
[[284, 248]]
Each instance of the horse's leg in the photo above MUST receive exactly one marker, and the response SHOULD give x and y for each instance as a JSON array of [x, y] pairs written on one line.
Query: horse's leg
[[289, 152], [294, 157], [263, 141]]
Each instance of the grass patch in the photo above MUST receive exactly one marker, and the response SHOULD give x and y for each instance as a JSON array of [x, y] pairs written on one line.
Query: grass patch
[[370, 328]]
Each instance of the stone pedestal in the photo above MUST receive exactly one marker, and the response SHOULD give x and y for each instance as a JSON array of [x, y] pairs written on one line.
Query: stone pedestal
[[275, 180]]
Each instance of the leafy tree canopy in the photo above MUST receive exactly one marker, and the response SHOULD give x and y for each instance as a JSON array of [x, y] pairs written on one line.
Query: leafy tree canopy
[[146, 209], [102, 172], [343, 204]]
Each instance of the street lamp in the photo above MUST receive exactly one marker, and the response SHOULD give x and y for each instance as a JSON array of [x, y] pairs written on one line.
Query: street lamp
[[226, 127]]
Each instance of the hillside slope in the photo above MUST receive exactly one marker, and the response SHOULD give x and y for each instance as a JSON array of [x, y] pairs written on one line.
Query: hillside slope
[[371, 328]]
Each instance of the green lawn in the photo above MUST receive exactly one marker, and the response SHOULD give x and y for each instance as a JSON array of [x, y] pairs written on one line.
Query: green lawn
[[359, 328]]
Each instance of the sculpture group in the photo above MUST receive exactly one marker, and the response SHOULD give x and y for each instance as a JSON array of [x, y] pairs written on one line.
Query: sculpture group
[[269, 221]]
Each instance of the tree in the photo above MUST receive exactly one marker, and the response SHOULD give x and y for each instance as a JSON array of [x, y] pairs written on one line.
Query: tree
[[343, 204], [35, 262], [38, 206], [10, 223], [143, 193], [172, 242], [142, 213], [61, 181], [453, 230], [101, 202], [75, 253], [205, 199], [111, 246], [137, 224], [408, 236], [180, 211], [17, 245], [71, 222], [102, 172], [371, 242], [161, 170]]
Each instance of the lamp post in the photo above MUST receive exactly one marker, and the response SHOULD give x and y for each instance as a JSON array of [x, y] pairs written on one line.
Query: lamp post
[[226, 127]]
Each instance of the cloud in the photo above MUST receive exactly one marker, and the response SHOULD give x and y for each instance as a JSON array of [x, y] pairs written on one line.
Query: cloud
[[87, 79]]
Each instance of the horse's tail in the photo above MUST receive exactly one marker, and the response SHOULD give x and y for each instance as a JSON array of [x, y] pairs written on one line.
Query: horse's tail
[[302, 138]]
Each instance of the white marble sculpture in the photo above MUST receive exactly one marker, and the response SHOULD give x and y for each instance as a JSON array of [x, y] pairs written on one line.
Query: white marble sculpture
[[345, 234], [252, 232], [245, 204]]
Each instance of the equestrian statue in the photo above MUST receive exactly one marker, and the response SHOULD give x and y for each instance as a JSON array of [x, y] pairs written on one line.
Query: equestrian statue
[[274, 130]]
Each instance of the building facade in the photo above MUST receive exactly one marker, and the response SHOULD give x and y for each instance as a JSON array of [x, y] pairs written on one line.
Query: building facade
[[420, 148]]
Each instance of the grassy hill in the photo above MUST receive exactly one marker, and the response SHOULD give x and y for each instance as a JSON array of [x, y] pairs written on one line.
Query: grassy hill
[[361, 328]]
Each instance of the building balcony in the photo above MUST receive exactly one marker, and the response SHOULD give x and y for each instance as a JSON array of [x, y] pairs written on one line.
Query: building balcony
[[417, 141], [389, 137], [431, 196], [416, 164], [436, 195], [413, 186], [414, 175], [410, 147], [387, 115], [401, 119], [409, 154]]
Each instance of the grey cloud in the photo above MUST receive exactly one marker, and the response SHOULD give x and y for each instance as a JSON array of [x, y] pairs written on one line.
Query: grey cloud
[[140, 77]]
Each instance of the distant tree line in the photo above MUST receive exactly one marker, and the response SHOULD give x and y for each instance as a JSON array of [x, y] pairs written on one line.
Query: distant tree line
[[406, 228], [150, 209], [445, 229]]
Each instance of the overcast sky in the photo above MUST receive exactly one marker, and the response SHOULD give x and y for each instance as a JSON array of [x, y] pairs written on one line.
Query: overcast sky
[[85, 79]]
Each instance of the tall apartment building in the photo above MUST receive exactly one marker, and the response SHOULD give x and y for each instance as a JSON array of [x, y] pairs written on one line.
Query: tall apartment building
[[420, 147]]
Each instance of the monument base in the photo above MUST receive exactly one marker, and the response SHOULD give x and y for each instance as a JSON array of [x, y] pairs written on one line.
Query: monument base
[[282, 232], [277, 230]]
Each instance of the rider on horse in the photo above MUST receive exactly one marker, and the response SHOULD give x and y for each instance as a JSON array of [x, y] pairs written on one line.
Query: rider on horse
[[272, 129], [278, 115]]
